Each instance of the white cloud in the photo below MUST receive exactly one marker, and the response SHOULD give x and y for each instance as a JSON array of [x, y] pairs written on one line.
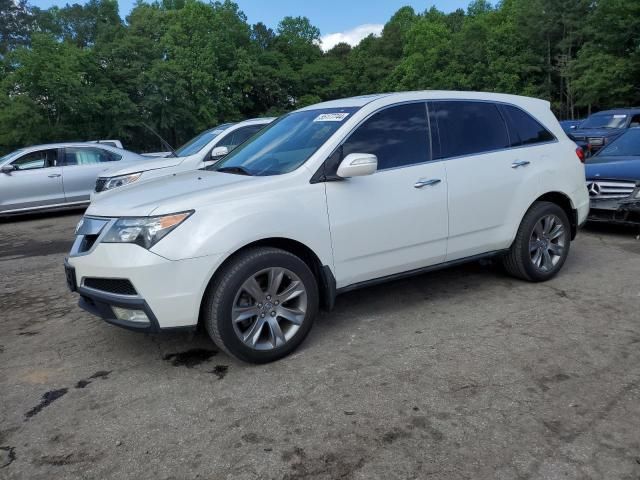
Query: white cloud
[[352, 37]]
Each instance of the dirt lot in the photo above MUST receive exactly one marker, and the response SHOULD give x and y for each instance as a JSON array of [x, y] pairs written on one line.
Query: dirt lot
[[464, 373]]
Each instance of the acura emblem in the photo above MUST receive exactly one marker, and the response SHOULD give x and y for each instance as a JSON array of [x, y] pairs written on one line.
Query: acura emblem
[[594, 189]]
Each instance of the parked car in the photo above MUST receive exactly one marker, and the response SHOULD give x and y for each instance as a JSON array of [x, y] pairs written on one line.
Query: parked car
[[113, 143], [570, 125], [329, 198], [202, 150], [602, 128], [613, 181], [56, 176]]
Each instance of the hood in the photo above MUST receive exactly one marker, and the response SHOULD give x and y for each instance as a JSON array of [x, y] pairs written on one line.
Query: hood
[[174, 193], [619, 168], [581, 133], [147, 163]]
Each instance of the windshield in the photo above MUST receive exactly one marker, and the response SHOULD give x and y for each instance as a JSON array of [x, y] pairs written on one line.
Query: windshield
[[198, 143], [605, 121], [626, 145], [11, 155], [285, 144]]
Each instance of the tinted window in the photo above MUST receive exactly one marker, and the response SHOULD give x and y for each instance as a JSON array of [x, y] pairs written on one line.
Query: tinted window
[[88, 156], [40, 159], [398, 136], [243, 134], [467, 128], [524, 129]]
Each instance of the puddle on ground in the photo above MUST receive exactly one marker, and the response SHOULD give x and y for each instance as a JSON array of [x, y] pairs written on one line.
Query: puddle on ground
[[190, 358], [47, 399]]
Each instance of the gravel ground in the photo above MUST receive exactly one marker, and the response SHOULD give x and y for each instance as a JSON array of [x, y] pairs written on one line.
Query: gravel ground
[[463, 373]]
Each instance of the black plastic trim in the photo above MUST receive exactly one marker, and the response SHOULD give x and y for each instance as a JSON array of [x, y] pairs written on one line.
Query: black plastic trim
[[328, 300], [100, 303], [419, 271]]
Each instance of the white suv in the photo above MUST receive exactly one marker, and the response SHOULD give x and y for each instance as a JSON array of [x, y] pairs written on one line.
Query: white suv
[[326, 199], [202, 150]]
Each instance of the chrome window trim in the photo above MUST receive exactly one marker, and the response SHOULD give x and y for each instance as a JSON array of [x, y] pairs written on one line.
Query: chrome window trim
[[348, 134]]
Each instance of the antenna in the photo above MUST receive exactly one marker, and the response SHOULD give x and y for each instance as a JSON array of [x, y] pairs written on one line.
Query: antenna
[[164, 142]]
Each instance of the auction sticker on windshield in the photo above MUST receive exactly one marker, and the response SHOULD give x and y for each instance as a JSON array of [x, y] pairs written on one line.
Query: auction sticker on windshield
[[331, 117]]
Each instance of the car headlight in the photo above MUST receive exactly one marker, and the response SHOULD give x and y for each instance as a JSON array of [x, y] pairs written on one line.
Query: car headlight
[[144, 231], [120, 181]]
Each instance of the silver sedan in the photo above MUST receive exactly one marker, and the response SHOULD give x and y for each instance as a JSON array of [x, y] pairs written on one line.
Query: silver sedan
[[56, 176]]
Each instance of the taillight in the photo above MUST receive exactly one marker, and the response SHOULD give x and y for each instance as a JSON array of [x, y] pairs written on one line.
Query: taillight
[[580, 154]]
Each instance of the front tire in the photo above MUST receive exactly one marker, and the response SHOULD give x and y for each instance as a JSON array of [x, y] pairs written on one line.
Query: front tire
[[541, 245], [262, 305]]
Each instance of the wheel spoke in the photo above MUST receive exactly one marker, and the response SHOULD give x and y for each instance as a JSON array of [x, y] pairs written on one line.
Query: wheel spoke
[[537, 257], [538, 230], [245, 313], [275, 279], [547, 263], [294, 315], [252, 335], [549, 222], [533, 247], [557, 232], [556, 249], [295, 289], [252, 287], [277, 337]]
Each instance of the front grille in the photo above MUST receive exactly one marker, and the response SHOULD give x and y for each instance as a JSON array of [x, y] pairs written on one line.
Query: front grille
[[610, 189], [100, 183], [119, 286]]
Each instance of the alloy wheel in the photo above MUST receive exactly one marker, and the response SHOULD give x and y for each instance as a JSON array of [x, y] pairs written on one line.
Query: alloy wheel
[[269, 308], [547, 243]]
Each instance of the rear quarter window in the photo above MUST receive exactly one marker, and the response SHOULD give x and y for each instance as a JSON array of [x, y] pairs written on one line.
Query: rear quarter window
[[468, 128], [524, 129]]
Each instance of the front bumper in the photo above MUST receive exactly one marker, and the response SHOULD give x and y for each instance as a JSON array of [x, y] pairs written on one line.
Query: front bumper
[[168, 292], [624, 212]]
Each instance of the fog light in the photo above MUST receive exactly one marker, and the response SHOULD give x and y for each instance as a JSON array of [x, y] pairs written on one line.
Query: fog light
[[130, 315]]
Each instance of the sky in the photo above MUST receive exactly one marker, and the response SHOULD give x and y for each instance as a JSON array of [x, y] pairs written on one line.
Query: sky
[[338, 20]]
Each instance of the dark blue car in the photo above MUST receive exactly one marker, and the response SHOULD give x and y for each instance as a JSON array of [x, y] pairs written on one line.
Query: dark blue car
[[569, 126], [613, 180], [602, 128]]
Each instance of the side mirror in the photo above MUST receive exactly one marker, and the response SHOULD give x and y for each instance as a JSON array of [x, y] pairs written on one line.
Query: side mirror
[[358, 165], [219, 152], [8, 169]]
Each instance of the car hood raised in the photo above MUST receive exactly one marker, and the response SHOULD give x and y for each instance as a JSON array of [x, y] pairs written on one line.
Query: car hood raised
[[173, 193], [622, 168]]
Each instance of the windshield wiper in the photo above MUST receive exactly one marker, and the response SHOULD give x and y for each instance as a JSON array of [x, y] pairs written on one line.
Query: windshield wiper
[[234, 170]]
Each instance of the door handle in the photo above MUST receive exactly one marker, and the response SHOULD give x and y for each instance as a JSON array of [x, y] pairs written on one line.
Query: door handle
[[55, 175], [520, 163], [426, 183]]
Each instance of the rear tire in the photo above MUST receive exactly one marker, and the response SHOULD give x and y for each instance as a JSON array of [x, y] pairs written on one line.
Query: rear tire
[[261, 305], [541, 245]]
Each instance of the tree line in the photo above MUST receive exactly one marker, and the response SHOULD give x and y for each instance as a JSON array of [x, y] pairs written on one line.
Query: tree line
[[83, 72]]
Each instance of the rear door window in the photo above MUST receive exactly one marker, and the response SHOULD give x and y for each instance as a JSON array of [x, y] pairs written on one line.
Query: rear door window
[[88, 156], [468, 128], [523, 128], [398, 136]]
